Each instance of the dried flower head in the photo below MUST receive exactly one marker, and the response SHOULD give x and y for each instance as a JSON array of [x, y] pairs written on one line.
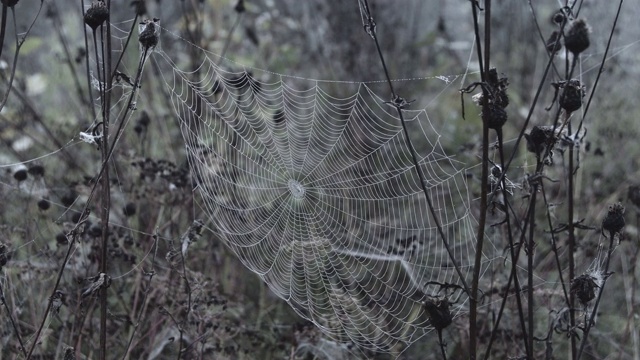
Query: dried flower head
[[634, 195], [149, 36], [10, 3], [96, 15], [239, 8], [140, 6], [554, 44], [614, 220], [36, 170], [558, 18], [439, 313], [69, 353], [584, 287], [44, 204], [573, 93], [576, 38], [538, 138], [496, 116], [4, 255], [20, 175]]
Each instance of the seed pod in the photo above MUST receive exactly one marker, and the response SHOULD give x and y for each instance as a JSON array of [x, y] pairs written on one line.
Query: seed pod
[[614, 220], [576, 38], [239, 8], [96, 15], [20, 175], [558, 18], [5, 256], [634, 195], [553, 43], [584, 287], [69, 353], [44, 204], [129, 209], [572, 94], [10, 3], [538, 138], [439, 313], [149, 36], [496, 117]]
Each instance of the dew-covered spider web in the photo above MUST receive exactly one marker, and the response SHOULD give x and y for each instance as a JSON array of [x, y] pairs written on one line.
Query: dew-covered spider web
[[312, 185]]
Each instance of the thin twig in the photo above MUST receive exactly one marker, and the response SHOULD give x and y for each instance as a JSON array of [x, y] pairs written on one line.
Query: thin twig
[[13, 323]]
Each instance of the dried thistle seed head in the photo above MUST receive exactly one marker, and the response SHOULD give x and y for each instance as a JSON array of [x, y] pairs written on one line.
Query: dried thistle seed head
[[69, 353], [140, 7], [36, 170], [129, 209], [44, 204], [584, 287], [20, 175], [576, 38], [554, 44], [614, 220], [439, 313], [496, 116], [10, 3], [4, 255], [96, 15], [558, 18], [538, 137], [572, 94], [149, 36], [634, 195], [239, 8]]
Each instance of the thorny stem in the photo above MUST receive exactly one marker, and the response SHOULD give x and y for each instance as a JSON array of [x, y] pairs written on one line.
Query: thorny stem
[[413, 153]]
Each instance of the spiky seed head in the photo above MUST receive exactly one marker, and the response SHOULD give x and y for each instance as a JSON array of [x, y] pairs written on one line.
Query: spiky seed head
[[69, 353], [96, 15], [10, 3], [20, 175], [634, 195], [239, 8], [149, 36], [36, 170], [496, 116], [553, 43], [572, 94], [584, 287], [558, 18], [614, 220], [576, 38], [140, 7], [439, 313], [4, 255], [44, 204]]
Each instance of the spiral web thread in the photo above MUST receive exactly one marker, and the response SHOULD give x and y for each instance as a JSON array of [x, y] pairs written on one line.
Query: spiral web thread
[[318, 195]]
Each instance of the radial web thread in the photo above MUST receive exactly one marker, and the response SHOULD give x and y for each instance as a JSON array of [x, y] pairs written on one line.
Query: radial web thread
[[318, 195]]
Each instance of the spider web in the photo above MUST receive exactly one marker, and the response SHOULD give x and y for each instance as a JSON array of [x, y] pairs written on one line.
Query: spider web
[[313, 187]]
